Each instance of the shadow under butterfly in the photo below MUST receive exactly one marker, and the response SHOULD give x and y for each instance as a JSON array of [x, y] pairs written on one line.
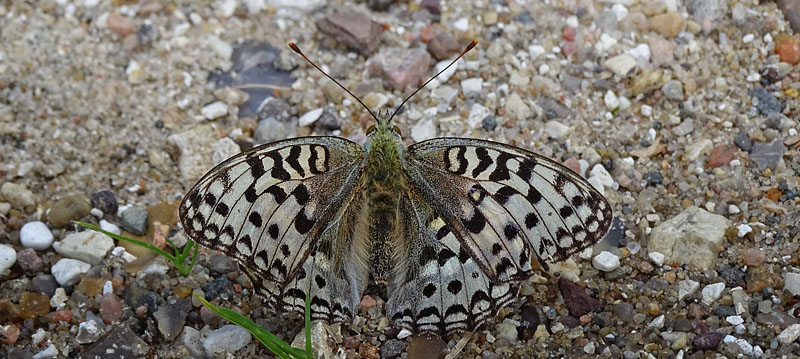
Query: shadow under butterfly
[[449, 225]]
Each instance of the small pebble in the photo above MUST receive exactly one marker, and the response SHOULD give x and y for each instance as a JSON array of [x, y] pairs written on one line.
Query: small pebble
[[8, 256], [134, 220], [68, 209], [105, 201], [29, 261], [712, 292], [36, 235], [88, 246], [656, 257], [214, 110], [753, 256], [605, 261], [789, 334], [68, 271]]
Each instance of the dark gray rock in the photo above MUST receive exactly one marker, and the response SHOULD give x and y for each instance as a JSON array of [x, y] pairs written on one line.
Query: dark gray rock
[[106, 202], [134, 220], [766, 102], [170, 318], [393, 348], [120, 341]]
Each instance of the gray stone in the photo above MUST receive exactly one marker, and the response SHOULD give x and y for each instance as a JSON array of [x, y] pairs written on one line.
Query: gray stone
[[88, 246], [270, 129], [319, 335], [393, 348], [226, 339], [171, 318], [193, 341], [673, 90], [766, 102], [120, 341], [693, 237], [134, 220], [767, 155], [223, 149], [193, 149], [791, 282], [620, 64]]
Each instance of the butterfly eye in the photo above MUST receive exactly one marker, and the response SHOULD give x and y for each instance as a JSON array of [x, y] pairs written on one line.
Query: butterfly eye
[[370, 129], [397, 129]]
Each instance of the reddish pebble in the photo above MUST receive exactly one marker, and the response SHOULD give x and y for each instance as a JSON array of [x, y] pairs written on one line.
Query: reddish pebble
[[119, 24], [568, 32], [368, 302], [774, 194], [585, 319], [427, 33], [351, 342], [62, 316], [237, 287], [573, 164], [721, 155], [753, 257], [110, 308], [788, 48], [10, 335]]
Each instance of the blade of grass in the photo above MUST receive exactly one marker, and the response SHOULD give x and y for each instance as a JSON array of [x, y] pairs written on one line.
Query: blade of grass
[[273, 343]]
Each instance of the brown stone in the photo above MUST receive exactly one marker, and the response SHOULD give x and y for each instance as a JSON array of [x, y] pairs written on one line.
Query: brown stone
[[110, 308], [32, 305], [722, 155], [354, 29], [119, 24], [426, 347], [668, 24]]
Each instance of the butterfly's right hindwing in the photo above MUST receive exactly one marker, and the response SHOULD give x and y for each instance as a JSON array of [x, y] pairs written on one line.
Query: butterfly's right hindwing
[[268, 208]]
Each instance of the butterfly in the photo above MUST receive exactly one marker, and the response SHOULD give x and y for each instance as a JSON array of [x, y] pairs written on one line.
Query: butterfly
[[449, 225]]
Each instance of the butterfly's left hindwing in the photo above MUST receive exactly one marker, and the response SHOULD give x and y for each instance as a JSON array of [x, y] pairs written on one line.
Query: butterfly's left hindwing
[[268, 208], [505, 204]]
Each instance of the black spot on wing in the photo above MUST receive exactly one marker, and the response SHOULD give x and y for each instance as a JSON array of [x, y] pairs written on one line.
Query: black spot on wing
[[320, 281], [302, 223], [510, 231], [454, 286], [256, 166], [255, 219], [210, 199], [504, 193], [250, 193], [566, 211], [444, 255], [428, 254], [247, 242], [294, 160], [484, 161], [222, 209], [277, 193], [525, 170], [500, 172], [278, 172], [476, 222], [429, 290], [531, 220], [301, 194], [496, 248], [273, 231], [285, 250], [533, 196]]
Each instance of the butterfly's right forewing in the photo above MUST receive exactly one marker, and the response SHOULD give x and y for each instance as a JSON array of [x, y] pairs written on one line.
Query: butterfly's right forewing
[[269, 207]]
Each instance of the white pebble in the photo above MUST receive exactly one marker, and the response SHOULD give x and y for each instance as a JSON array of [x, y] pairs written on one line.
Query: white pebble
[[789, 334], [58, 298], [109, 227], [657, 258], [544, 69], [472, 86], [404, 333], [734, 319], [601, 175], [535, 51], [712, 292], [610, 99], [620, 11], [108, 287], [8, 256], [646, 110], [744, 229], [310, 117], [753, 77], [605, 261], [687, 288], [67, 271], [461, 24], [36, 235], [50, 352], [96, 212], [748, 38], [586, 253], [658, 322], [733, 209], [214, 110]]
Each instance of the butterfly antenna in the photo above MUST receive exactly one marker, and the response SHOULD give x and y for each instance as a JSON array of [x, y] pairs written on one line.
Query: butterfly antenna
[[466, 49], [297, 50]]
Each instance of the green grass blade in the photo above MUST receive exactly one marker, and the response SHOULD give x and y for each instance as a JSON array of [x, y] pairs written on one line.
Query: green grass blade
[[273, 343], [130, 240]]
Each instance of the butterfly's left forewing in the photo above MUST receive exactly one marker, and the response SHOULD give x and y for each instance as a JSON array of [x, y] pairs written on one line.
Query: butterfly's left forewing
[[271, 208], [505, 204]]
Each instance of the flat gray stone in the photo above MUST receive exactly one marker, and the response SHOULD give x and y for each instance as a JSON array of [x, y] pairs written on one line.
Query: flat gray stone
[[693, 237]]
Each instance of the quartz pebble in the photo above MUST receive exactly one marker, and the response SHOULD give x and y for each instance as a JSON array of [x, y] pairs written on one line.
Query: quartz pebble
[[605, 261], [36, 235], [214, 110], [227, 339], [789, 334], [67, 271], [712, 292], [8, 256]]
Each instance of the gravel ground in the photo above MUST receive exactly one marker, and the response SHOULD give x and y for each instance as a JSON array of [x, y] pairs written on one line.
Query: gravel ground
[[685, 113]]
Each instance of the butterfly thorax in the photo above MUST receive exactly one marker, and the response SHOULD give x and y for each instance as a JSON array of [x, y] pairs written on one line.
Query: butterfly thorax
[[384, 183]]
